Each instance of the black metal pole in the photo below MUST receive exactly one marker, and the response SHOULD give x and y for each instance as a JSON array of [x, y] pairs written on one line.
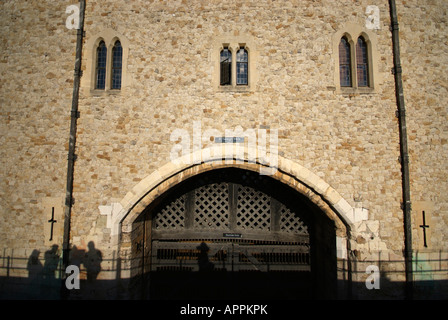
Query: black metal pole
[[72, 140], [403, 150]]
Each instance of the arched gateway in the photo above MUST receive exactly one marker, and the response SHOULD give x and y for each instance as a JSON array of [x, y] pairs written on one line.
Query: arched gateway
[[225, 231], [230, 233]]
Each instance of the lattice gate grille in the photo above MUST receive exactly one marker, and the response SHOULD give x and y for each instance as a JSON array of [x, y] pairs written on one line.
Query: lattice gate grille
[[291, 223], [211, 206], [253, 210], [211, 209], [172, 216]]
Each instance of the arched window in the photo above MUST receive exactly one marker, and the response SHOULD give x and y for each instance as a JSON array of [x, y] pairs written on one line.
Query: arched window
[[101, 56], [345, 63], [362, 63], [226, 67], [242, 70], [117, 57]]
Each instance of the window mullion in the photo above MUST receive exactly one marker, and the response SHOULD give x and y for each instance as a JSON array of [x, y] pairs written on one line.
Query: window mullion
[[233, 66]]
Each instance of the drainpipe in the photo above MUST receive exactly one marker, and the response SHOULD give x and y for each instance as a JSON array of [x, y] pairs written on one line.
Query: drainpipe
[[72, 141], [404, 156]]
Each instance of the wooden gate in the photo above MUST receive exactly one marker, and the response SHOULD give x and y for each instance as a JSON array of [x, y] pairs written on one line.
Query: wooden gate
[[218, 235], [220, 255]]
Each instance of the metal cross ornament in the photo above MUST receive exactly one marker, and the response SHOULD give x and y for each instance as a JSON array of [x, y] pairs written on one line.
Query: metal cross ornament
[[52, 221], [424, 226]]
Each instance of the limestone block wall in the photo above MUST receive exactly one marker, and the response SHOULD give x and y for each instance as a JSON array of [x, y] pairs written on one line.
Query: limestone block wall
[[424, 57], [36, 65], [348, 139]]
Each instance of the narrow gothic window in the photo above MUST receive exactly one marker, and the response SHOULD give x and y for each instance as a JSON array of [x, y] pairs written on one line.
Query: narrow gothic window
[[242, 70], [344, 63], [226, 67], [101, 54], [362, 63], [117, 55]]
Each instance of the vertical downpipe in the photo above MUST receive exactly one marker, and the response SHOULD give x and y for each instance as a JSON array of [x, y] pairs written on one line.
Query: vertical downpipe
[[403, 150], [72, 140]]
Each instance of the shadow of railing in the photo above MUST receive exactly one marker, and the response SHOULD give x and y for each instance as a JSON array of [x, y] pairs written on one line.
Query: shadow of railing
[[40, 276], [429, 273]]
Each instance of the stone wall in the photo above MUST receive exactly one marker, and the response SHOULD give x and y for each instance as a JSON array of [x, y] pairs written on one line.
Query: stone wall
[[350, 140], [37, 63], [424, 53]]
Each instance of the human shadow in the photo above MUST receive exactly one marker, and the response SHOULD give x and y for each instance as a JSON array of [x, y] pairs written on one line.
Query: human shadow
[[76, 256], [203, 261], [92, 262], [51, 263], [206, 280], [35, 273], [50, 282], [42, 279], [89, 266]]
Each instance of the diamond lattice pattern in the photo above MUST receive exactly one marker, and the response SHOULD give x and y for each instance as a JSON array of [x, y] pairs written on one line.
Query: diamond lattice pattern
[[211, 211], [254, 209], [291, 223], [211, 206], [172, 216]]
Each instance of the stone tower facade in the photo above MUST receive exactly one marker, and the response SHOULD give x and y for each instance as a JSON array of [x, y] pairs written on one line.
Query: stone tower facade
[[281, 109]]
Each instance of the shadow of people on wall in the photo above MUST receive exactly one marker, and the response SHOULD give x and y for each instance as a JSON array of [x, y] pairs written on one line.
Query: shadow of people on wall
[[35, 273], [89, 266], [51, 262], [76, 256], [92, 262], [50, 282]]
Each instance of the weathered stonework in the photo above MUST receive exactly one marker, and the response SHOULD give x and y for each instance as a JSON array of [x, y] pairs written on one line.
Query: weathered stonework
[[338, 146]]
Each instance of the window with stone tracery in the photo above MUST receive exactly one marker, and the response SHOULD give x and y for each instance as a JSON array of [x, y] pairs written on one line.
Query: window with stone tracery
[[106, 56], [354, 62], [234, 60]]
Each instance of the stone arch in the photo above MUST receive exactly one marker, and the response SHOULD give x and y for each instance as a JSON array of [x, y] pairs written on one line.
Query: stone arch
[[129, 231], [288, 172]]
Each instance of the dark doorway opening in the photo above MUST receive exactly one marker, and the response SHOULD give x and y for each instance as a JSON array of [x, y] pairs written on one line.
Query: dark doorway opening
[[236, 270], [236, 234]]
